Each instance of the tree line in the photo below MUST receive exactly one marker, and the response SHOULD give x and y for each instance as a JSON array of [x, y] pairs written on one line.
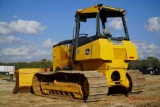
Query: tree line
[[150, 62], [44, 63]]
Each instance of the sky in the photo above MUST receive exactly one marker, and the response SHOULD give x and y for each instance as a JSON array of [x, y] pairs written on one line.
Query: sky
[[29, 28]]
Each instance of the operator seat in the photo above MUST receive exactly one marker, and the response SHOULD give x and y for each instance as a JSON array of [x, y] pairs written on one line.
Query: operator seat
[[106, 33]]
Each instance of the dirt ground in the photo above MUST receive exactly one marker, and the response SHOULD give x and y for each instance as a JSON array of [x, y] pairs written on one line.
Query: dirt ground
[[149, 98]]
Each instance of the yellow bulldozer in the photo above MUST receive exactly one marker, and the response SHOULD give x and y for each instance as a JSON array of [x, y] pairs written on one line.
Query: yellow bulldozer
[[89, 66]]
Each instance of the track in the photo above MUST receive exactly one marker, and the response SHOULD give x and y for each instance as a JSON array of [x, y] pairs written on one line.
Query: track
[[137, 81], [77, 85]]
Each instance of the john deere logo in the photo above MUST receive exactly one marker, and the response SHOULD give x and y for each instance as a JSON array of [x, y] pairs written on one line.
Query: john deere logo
[[87, 51]]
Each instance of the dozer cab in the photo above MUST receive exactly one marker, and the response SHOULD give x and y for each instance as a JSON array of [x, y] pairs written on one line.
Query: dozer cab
[[92, 64]]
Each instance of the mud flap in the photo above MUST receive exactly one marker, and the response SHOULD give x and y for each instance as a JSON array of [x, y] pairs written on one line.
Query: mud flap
[[136, 81]]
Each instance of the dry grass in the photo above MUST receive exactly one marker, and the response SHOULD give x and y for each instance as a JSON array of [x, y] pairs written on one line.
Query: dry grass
[[150, 97]]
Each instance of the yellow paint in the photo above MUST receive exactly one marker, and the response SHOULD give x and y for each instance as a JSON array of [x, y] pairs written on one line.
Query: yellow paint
[[62, 56], [24, 77], [95, 9], [104, 56], [114, 9], [73, 88]]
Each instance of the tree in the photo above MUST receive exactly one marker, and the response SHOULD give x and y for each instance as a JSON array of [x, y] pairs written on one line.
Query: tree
[[44, 63], [134, 64], [158, 66], [144, 63], [153, 61], [150, 62]]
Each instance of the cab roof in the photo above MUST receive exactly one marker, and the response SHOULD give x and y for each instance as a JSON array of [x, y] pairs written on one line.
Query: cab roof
[[108, 11]]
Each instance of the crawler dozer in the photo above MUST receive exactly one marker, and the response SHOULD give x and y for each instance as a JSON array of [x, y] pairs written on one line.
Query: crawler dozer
[[90, 65]]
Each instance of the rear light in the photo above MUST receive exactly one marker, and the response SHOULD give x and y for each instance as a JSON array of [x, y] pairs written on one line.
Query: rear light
[[131, 57]]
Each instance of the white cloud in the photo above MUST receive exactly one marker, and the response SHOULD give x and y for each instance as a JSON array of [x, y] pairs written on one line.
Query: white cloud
[[21, 26], [9, 39], [153, 47], [116, 24], [48, 43], [15, 51], [24, 53], [145, 50], [40, 52], [153, 25]]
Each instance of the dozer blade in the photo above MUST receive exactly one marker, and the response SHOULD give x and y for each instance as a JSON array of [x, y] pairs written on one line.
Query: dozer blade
[[136, 80], [24, 78]]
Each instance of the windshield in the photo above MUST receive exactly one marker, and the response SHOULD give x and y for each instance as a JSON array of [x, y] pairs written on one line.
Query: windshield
[[88, 27], [114, 27]]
